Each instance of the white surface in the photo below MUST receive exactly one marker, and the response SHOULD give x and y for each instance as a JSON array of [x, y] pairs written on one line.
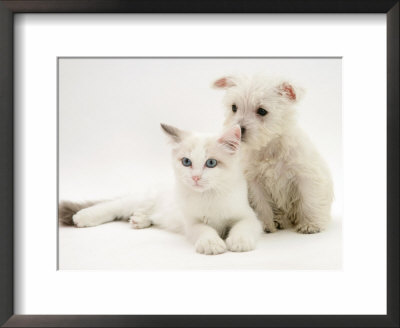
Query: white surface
[[42, 289], [117, 246]]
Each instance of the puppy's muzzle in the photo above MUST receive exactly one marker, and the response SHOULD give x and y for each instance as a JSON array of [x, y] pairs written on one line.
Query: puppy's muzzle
[[243, 131]]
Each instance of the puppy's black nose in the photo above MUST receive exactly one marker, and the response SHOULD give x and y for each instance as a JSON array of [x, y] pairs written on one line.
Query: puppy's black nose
[[243, 130]]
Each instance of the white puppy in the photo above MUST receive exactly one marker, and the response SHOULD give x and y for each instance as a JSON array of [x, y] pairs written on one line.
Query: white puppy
[[289, 183]]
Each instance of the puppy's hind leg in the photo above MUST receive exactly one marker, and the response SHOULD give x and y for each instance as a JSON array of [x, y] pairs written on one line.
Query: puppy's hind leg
[[311, 213]]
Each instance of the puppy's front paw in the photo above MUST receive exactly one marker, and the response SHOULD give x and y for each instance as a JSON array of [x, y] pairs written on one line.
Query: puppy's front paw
[[210, 245], [241, 242], [307, 228], [269, 227], [279, 223], [85, 218], [139, 221]]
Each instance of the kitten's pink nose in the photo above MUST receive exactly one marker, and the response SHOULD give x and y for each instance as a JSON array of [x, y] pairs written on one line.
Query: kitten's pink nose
[[196, 178]]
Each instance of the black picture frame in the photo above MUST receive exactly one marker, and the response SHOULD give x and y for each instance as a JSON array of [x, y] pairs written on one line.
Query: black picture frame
[[10, 7]]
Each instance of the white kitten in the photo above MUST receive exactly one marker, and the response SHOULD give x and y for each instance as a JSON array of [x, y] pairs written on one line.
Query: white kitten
[[289, 182], [209, 202]]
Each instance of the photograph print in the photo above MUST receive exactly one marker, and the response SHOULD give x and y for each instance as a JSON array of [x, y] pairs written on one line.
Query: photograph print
[[199, 163]]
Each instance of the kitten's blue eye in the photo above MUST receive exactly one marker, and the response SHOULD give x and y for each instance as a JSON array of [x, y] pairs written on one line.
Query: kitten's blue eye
[[211, 163], [186, 161]]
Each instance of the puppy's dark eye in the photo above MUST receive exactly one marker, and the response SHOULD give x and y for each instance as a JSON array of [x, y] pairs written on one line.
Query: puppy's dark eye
[[234, 108], [262, 112]]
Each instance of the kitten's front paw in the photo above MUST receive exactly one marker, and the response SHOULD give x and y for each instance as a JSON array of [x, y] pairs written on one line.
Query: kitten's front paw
[[240, 242], [139, 221], [85, 218], [210, 245]]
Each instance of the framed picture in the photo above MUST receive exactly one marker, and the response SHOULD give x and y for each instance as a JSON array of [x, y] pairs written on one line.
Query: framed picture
[[297, 138]]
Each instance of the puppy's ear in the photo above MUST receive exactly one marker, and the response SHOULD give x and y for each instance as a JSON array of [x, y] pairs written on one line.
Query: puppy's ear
[[290, 92], [224, 83], [230, 139], [174, 134]]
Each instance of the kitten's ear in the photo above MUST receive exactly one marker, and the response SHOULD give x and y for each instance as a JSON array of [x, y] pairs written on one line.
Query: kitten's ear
[[175, 135], [289, 92], [224, 83], [230, 139]]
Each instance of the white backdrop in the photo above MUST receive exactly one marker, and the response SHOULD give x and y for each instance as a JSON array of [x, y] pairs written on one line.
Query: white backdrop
[[110, 141]]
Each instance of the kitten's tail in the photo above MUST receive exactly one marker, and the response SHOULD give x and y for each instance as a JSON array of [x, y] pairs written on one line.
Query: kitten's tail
[[67, 209]]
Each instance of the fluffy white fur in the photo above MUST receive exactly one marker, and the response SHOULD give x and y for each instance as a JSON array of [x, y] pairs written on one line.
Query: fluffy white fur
[[207, 204], [289, 183]]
